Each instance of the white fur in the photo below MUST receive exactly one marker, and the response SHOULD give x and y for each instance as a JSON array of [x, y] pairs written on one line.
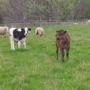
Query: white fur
[[40, 31], [89, 21], [19, 29], [3, 31]]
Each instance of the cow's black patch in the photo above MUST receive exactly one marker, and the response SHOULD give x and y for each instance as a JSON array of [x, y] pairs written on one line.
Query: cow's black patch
[[29, 29], [19, 34]]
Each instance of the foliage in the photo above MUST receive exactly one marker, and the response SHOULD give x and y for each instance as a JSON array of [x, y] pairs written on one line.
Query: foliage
[[36, 67], [45, 9]]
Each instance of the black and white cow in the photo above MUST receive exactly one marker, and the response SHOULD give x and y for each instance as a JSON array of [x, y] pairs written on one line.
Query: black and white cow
[[18, 35]]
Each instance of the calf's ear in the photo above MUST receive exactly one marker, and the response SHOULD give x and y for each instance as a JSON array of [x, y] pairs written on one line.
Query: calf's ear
[[65, 31], [57, 31], [29, 29]]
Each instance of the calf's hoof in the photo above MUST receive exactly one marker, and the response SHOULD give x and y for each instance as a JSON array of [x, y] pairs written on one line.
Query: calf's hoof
[[12, 49], [62, 60]]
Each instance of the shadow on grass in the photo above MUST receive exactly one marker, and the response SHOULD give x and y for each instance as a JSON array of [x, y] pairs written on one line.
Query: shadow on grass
[[22, 50]]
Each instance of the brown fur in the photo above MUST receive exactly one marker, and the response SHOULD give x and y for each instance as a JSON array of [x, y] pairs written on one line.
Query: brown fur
[[62, 41]]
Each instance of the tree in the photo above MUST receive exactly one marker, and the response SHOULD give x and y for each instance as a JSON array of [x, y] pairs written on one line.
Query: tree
[[27, 10], [3, 10]]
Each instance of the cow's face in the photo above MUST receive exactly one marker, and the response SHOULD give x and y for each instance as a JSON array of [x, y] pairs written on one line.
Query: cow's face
[[27, 30], [60, 34]]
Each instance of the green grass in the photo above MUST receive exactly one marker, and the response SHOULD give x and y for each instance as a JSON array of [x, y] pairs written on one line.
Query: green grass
[[36, 67]]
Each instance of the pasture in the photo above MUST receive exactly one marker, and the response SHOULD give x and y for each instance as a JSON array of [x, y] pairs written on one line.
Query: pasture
[[36, 67]]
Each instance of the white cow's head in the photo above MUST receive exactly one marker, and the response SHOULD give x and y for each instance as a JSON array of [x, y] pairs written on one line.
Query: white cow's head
[[27, 30]]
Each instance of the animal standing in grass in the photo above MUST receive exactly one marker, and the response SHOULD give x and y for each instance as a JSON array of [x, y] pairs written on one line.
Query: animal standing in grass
[[39, 31], [88, 22], [62, 41], [18, 35], [3, 31]]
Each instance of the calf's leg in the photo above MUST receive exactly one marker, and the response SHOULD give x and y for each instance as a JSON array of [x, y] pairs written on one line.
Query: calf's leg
[[57, 52], [12, 43], [24, 43], [67, 53], [62, 54], [19, 44], [2, 36]]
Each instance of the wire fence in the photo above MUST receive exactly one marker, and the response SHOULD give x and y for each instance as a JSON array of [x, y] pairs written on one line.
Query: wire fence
[[43, 23]]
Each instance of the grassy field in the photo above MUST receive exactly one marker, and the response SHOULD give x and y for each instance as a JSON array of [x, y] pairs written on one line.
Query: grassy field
[[36, 67]]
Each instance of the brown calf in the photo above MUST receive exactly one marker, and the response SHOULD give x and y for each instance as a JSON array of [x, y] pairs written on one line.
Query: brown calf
[[62, 41]]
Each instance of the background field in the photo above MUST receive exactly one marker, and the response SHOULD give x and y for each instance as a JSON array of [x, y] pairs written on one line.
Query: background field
[[36, 67]]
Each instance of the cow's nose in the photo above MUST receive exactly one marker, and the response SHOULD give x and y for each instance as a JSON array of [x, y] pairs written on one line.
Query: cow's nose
[[28, 32], [57, 38]]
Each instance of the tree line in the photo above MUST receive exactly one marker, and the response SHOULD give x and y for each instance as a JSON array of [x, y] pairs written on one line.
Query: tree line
[[26, 10]]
